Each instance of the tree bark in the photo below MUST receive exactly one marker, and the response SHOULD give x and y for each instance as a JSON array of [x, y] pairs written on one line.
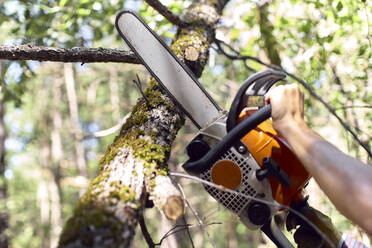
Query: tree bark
[[74, 119], [76, 54], [135, 165], [43, 194], [57, 155]]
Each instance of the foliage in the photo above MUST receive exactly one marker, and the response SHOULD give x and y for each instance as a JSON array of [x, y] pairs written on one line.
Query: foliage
[[328, 43]]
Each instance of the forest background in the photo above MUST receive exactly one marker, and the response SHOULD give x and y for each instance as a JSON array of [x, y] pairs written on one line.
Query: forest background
[[57, 119]]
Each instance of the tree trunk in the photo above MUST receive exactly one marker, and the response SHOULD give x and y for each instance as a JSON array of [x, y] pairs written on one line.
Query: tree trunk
[[3, 182], [231, 233], [74, 118], [136, 163], [43, 194], [57, 155], [49, 199], [56, 211]]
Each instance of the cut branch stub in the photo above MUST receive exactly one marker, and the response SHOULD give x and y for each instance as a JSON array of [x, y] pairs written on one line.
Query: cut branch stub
[[191, 54], [173, 208], [166, 197]]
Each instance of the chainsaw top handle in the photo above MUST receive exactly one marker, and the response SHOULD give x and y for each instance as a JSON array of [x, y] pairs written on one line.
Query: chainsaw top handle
[[256, 85], [228, 141], [261, 82]]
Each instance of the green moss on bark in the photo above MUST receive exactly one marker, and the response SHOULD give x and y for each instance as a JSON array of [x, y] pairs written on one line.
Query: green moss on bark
[[93, 216], [93, 224]]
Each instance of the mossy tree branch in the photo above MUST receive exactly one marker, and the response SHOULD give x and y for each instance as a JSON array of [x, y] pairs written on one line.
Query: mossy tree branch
[[136, 162], [76, 54]]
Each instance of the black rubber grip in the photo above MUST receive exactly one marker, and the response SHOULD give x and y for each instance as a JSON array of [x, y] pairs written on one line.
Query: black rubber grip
[[228, 141], [264, 79]]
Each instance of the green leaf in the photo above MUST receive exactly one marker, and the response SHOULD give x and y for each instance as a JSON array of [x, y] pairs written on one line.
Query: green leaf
[[339, 6], [62, 3], [235, 34], [362, 50], [83, 12]]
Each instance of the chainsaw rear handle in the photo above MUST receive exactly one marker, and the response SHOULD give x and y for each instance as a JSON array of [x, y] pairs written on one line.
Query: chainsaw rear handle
[[228, 141]]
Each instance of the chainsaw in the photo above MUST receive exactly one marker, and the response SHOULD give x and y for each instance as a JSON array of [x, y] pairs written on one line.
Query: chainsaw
[[237, 149]]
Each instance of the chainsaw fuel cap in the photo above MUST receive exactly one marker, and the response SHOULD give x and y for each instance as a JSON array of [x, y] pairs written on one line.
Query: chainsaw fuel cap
[[226, 173]]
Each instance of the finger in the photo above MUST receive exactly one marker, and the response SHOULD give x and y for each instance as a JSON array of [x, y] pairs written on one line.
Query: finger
[[267, 96], [272, 93]]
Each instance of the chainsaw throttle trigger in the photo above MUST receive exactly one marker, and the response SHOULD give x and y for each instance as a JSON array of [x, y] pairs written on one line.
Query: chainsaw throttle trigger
[[272, 169], [228, 141]]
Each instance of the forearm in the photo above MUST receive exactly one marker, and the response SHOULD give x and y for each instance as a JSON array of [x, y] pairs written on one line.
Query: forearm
[[346, 181]]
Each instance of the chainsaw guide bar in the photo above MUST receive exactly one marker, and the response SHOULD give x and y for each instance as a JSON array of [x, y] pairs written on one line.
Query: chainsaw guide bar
[[175, 77]]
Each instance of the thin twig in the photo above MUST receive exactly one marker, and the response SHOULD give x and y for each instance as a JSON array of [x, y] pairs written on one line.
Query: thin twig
[[185, 200], [164, 11], [106, 132], [139, 86], [145, 232], [354, 106], [347, 94], [172, 231], [195, 214], [238, 56], [332, 110], [220, 50], [76, 54], [272, 203], [188, 231], [179, 228]]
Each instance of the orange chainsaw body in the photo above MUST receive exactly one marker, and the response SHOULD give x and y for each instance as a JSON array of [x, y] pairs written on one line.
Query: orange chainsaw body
[[264, 141]]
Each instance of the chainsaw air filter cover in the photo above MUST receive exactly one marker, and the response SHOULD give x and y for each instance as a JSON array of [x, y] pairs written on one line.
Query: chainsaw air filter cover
[[237, 172]]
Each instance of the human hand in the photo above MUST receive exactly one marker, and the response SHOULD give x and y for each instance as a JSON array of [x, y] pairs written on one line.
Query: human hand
[[287, 107]]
